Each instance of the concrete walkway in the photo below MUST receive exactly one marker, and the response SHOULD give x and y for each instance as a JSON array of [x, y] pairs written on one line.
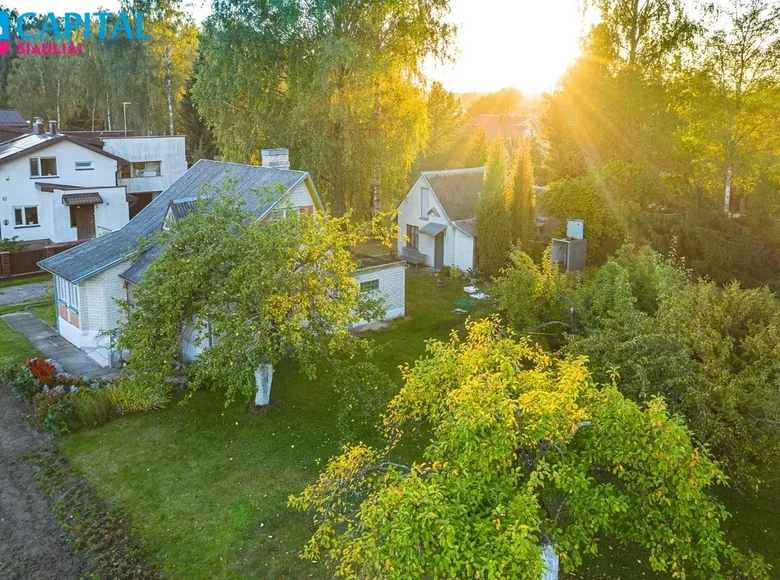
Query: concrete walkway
[[23, 292], [53, 346]]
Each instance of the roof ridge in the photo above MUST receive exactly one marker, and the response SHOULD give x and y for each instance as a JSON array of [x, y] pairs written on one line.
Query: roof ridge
[[453, 171], [250, 165]]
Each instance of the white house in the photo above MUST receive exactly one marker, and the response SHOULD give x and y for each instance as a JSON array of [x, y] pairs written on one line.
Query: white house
[[436, 218], [58, 187], [91, 277]]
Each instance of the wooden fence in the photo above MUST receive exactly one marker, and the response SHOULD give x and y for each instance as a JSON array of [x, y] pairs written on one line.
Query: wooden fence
[[22, 264]]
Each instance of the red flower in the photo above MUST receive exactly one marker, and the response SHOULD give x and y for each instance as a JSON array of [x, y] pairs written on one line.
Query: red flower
[[44, 372]]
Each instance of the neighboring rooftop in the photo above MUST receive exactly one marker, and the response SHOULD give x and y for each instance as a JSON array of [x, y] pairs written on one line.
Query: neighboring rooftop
[[30, 142], [12, 118], [457, 190], [260, 188], [366, 261]]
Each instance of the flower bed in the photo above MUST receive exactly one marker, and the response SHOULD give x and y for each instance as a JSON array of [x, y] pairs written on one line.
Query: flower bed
[[62, 401]]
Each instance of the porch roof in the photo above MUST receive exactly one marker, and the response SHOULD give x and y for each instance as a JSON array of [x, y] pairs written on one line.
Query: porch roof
[[81, 198], [433, 229]]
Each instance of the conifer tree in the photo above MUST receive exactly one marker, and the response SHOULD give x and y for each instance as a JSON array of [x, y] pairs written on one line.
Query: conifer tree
[[522, 200], [494, 224]]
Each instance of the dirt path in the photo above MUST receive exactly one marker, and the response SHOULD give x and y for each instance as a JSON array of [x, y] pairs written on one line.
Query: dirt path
[[32, 546]]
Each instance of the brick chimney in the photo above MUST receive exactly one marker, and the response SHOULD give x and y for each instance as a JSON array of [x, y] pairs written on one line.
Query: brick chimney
[[38, 128], [52, 128], [276, 158]]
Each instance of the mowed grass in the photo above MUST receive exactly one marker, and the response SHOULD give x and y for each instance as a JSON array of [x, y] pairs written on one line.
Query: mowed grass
[[205, 486], [22, 281], [46, 312], [13, 346]]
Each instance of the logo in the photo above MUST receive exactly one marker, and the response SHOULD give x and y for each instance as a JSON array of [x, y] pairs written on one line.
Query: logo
[[109, 27], [5, 32]]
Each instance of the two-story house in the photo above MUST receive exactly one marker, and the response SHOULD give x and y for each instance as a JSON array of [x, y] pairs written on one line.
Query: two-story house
[[57, 188]]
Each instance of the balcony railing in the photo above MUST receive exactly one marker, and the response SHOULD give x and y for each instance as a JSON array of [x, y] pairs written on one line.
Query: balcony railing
[[145, 173]]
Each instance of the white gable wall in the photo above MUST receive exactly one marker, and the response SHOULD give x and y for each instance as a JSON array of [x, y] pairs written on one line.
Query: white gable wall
[[458, 246]]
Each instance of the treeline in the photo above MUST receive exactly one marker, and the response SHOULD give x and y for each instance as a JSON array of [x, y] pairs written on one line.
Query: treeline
[[87, 92], [666, 129]]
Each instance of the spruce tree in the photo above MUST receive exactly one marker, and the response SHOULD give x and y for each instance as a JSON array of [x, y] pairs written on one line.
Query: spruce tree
[[494, 225]]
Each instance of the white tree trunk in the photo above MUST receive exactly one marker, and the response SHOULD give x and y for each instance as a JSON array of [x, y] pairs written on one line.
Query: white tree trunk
[[551, 562], [169, 74], [727, 191], [108, 112], [264, 376]]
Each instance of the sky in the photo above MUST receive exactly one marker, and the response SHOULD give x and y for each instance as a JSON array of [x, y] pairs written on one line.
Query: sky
[[525, 44]]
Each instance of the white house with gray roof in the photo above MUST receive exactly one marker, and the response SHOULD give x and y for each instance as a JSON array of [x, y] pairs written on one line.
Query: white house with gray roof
[[91, 277], [436, 218]]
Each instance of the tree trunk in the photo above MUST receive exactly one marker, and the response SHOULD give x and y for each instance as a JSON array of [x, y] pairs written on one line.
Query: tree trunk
[[727, 190], [729, 169], [59, 102], [169, 80], [264, 376], [94, 106], [551, 562], [376, 202]]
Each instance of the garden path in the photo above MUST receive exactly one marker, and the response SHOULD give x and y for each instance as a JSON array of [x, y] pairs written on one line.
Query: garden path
[[53, 346], [32, 546]]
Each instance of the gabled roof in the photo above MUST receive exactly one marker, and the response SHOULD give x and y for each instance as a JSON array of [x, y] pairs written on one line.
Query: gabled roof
[[260, 188], [29, 143], [457, 190], [12, 118]]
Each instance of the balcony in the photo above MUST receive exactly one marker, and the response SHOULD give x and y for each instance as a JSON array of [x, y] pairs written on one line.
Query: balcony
[[145, 172]]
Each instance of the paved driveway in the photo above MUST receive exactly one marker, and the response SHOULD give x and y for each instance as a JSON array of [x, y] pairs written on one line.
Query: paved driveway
[[24, 292]]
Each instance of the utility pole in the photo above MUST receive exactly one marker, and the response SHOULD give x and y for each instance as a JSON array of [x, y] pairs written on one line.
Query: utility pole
[[124, 110]]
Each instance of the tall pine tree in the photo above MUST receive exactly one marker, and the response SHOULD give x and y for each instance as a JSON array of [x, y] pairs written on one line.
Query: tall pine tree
[[522, 200], [494, 225]]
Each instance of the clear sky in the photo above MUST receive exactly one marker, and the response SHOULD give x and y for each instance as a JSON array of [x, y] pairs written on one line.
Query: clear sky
[[521, 43]]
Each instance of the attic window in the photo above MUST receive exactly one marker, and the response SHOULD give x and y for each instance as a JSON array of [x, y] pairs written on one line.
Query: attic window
[[168, 220], [424, 194]]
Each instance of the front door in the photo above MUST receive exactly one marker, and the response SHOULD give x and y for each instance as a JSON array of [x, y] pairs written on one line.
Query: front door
[[438, 250], [85, 221]]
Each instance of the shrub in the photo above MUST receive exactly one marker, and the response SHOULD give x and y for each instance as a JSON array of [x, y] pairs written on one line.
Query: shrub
[[91, 408], [456, 272], [43, 370], [21, 381], [133, 396], [53, 407], [13, 245], [445, 271]]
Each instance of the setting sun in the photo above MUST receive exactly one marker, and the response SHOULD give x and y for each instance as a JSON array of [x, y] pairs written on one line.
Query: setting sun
[[525, 44]]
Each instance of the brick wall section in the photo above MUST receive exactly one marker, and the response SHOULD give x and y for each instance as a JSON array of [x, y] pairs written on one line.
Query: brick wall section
[[96, 305], [392, 285]]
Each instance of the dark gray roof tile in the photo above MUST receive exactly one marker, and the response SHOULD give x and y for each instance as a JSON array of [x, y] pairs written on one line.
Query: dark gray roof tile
[[457, 190]]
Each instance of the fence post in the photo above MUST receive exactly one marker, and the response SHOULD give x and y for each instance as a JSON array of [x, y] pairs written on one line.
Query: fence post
[[5, 264], [49, 251]]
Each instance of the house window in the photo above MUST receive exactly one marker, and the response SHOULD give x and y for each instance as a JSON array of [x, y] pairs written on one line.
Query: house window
[[26, 216], [62, 290], [84, 165], [43, 166], [309, 209], [424, 194], [369, 285], [413, 233], [73, 304]]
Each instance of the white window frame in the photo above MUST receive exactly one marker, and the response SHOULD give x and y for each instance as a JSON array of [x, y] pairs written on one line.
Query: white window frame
[[24, 223], [73, 302], [67, 293], [62, 290], [425, 202], [39, 173], [85, 165]]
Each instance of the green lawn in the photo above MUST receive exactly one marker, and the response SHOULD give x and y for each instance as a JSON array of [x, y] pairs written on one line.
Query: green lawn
[[13, 346], [46, 312], [206, 486], [30, 280]]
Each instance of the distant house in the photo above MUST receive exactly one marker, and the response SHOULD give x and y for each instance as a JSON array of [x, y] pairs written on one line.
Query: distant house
[[509, 126], [12, 124], [90, 278], [56, 187], [437, 217]]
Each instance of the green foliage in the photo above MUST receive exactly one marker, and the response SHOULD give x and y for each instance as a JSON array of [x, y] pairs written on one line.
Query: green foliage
[[500, 102], [363, 391], [136, 396], [21, 381], [587, 199], [336, 82], [534, 299], [710, 352], [494, 223], [477, 147], [456, 272], [13, 244], [91, 408], [522, 199], [523, 452], [446, 125], [252, 293]]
